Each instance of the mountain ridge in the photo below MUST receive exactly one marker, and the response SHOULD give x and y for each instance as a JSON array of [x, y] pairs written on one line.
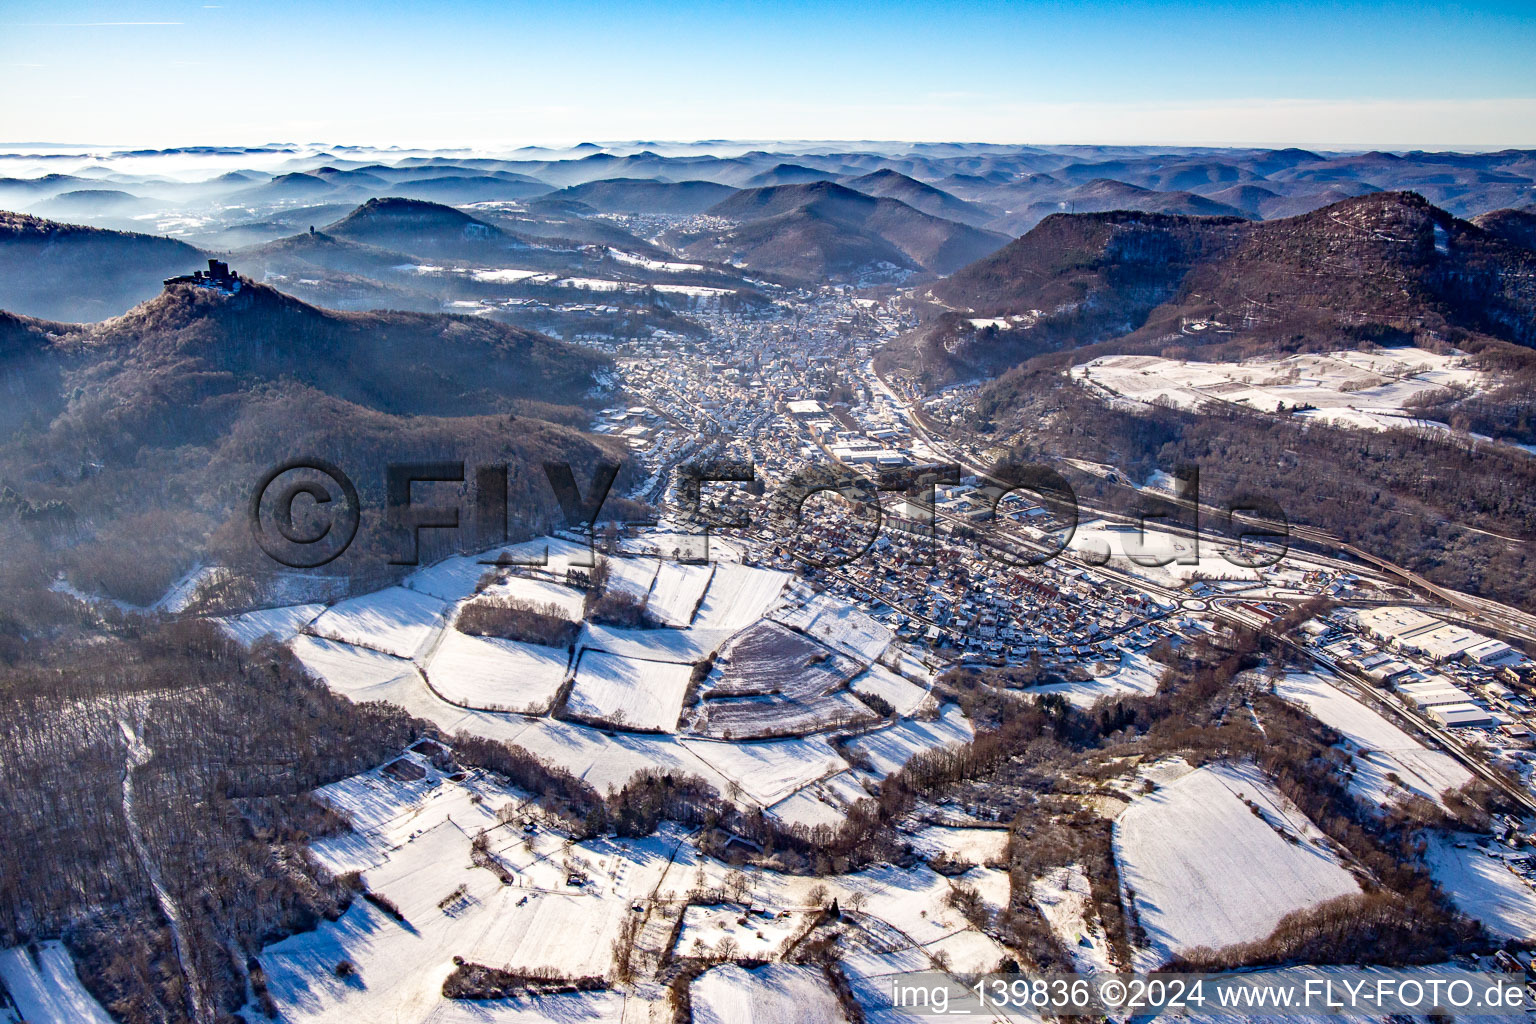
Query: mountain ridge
[[823, 228], [1386, 264]]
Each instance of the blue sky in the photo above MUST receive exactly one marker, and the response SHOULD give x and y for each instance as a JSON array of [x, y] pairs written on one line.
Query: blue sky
[[491, 74]]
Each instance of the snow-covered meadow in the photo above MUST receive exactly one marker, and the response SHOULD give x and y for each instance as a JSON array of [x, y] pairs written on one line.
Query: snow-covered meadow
[[535, 897], [1482, 885], [45, 988], [612, 707], [771, 994], [1380, 749], [1202, 866], [620, 691], [1371, 390]]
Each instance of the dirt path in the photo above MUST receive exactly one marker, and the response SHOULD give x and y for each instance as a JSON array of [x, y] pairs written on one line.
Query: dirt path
[[139, 754]]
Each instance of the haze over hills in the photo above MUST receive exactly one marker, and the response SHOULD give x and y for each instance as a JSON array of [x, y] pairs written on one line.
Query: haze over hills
[[71, 272], [98, 202], [231, 382], [921, 196], [517, 266], [643, 195], [1021, 183], [630, 198], [787, 174], [425, 227], [467, 188], [1102, 194], [825, 230]]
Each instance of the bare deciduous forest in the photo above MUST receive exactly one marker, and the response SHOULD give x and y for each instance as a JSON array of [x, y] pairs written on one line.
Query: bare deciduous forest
[[223, 746]]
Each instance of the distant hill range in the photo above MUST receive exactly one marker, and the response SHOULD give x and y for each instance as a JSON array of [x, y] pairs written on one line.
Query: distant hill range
[[824, 231], [460, 188], [71, 272], [642, 195], [553, 212], [998, 188], [935, 202], [787, 174], [397, 253], [1103, 194], [1384, 266], [424, 228]]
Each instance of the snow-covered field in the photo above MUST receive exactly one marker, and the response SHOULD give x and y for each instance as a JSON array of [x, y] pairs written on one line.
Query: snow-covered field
[[413, 841], [495, 674], [633, 576], [450, 909], [1134, 550], [281, 624], [650, 264], [540, 592], [772, 994], [397, 621], [738, 596], [392, 804], [920, 667], [362, 675], [837, 624], [1206, 870], [769, 770], [683, 646], [769, 716], [414, 825], [399, 645], [769, 658], [603, 760], [351, 671], [889, 749], [910, 906], [902, 694], [1482, 887], [678, 592], [184, 593], [770, 681], [551, 556], [452, 579], [975, 845], [825, 802], [565, 1008], [626, 691], [1379, 747], [46, 989], [1361, 389]]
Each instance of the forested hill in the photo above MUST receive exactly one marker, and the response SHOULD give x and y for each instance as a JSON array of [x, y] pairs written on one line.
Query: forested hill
[[1381, 266], [72, 272], [151, 428]]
